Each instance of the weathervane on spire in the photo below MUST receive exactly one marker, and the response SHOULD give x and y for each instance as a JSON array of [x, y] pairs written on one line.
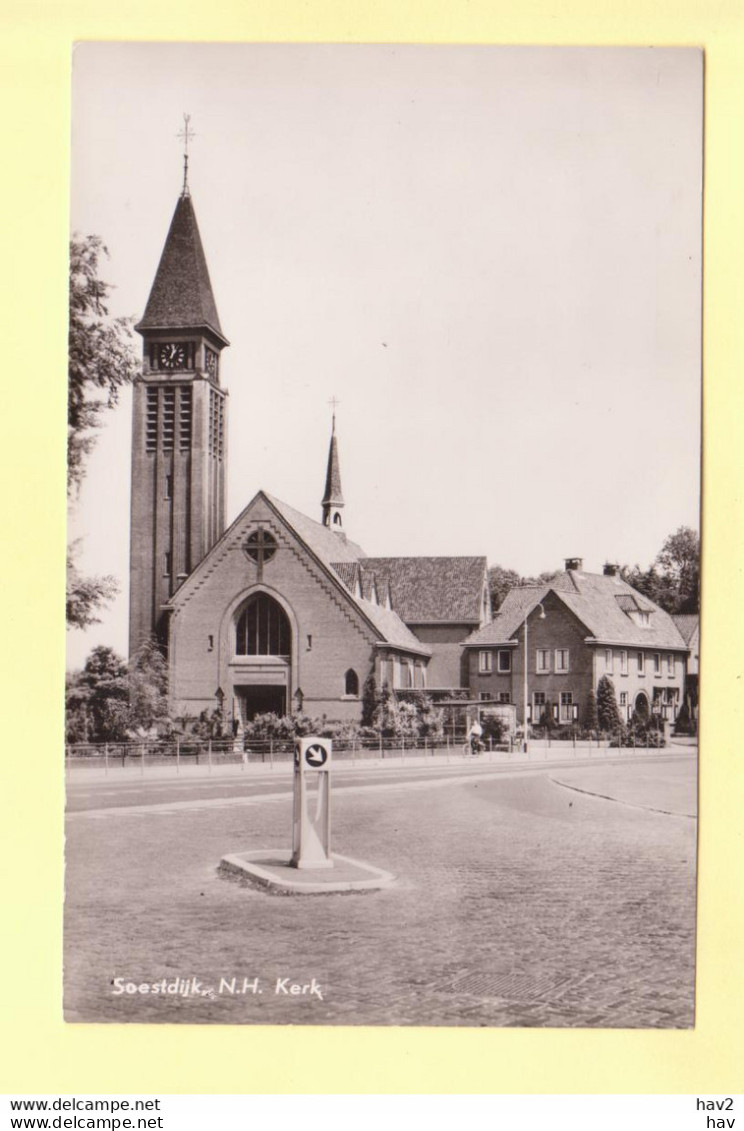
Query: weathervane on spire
[[186, 134], [334, 403]]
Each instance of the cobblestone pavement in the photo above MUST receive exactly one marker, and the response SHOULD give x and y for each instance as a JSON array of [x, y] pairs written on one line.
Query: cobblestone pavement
[[519, 902]]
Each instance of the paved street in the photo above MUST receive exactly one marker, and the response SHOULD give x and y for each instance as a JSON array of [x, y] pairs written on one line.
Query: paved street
[[559, 894]]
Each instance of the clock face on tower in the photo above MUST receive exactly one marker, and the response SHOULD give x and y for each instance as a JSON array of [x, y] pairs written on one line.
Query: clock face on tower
[[210, 361], [172, 355]]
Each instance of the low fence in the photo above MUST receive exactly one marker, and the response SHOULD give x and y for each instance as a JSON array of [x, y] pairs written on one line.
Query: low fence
[[227, 752]]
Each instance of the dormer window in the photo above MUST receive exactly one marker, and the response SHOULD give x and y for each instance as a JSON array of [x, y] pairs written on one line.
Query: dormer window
[[632, 609]]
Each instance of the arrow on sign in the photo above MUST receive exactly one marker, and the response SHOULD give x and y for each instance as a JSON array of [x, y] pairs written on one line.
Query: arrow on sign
[[316, 755]]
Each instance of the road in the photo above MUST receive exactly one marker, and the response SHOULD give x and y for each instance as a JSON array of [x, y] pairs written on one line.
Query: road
[[541, 895]]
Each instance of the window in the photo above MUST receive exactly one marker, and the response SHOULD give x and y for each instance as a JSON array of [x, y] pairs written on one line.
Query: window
[[566, 707], [504, 661], [351, 682], [168, 487], [609, 659], [561, 659], [167, 563], [539, 698], [623, 698], [623, 663], [504, 697], [485, 661], [670, 664], [262, 628], [485, 696], [657, 663], [641, 663], [260, 546], [407, 673], [543, 660]]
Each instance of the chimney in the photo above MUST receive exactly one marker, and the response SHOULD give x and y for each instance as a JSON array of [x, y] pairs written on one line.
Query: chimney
[[574, 564], [611, 569]]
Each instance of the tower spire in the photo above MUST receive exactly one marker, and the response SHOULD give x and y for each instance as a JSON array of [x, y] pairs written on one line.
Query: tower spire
[[333, 499], [186, 134]]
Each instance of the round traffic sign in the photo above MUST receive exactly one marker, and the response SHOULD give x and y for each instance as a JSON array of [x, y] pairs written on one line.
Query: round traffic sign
[[316, 755]]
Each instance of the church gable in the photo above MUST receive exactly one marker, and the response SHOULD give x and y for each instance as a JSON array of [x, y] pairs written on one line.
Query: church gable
[[268, 623], [256, 550]]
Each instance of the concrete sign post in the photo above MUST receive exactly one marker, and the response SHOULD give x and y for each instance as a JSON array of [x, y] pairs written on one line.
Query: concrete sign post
[[311, 826]]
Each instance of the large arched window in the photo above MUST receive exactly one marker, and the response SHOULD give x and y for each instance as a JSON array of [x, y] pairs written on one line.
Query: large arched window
[[352, 682], [262, 628]]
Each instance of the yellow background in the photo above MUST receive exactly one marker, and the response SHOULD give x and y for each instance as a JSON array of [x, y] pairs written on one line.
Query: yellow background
[[40, 1053]]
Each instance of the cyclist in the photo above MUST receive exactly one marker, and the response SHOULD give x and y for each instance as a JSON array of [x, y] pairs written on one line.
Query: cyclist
[[475, 735]]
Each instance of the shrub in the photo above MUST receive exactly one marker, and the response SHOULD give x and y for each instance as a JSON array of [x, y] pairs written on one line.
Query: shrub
[[591, 714], [608, 714], [684, 723]]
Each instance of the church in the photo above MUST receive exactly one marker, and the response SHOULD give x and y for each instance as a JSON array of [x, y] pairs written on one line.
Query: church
[[279, 611]]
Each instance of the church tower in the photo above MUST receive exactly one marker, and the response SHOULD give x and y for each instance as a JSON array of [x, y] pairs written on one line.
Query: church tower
[[333, 499], [178, 429]]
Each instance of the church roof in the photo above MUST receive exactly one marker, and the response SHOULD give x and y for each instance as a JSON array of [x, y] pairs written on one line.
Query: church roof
[[434, 590], [340, 555], [601, 603], [329, 545], [181, 295]]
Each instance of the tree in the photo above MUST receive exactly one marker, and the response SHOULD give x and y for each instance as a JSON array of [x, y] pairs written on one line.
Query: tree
[[501, 580], [679, 563], [86, 595], [147, 684], [98, 699], [672, 581], [608, 713], [101, 358], [110, 700]]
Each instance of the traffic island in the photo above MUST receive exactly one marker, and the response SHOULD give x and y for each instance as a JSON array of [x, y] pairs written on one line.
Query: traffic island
[[274, 872], [310, 868]]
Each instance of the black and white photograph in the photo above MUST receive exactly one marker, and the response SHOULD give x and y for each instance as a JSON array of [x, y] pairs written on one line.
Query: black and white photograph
[[383, 568]]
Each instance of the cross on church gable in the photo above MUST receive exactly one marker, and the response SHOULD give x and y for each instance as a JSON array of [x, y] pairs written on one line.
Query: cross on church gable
[[260, 546]]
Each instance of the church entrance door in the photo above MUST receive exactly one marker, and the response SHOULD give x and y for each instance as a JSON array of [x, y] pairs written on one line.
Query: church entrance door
[[261, 699]]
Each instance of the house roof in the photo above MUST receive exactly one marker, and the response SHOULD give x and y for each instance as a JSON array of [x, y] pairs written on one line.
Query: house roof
[[181, 295], [601, 603], [688, 624], [514, 608], [434, 590]]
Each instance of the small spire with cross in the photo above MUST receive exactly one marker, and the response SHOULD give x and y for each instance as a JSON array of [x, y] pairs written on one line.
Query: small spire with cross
[[333, 499], [185, 135]]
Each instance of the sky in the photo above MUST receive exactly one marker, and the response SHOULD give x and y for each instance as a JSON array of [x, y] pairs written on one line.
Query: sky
[[490, 256]]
